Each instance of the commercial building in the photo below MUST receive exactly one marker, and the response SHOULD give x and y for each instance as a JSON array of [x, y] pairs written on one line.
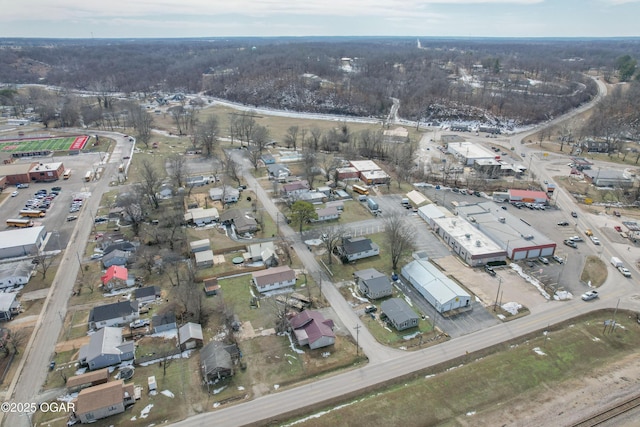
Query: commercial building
[[528, 196], [517, 238], [439, 290], [22, 242], [46, 172], [608, 178], [468, 152]]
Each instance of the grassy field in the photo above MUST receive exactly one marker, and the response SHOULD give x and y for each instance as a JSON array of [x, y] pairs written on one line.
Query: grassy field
[[518, 370], [594, 271]]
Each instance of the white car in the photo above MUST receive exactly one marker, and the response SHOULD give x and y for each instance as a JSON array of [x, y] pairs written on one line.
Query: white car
[[15, 193], [625, 271], [595, 240], [587, 296]]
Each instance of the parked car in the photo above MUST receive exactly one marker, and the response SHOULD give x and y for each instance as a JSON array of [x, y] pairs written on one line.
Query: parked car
[[625, 271], [587, 296], [140, 323], [576, 239], [56, 189], [370, 309], [618, 228], [530, 264], [489, 270], [72, 218], [15, 193], [570, 243], [22, 185], [558, 259], [52, 365], [543, 260], [96, 256], [574, 214], [563, 223]]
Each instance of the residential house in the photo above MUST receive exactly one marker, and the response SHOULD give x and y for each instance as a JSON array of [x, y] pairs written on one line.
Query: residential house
[[123, 246], [262, 252], [106, 348], [373, 284], [278, 171], [102, 401], [240, 220], [226, 194], [274, 278], [592, 146], [116, 212], [164, 322], [215, 362], [190, 336], [147, 294], [89, 379], [200, 245], [14, 274], [211, 286], [117, 277], [115, 314], [294, 189], [9, 305], [355, 248], [166, 192], [204, 259], [116, 257], [326, 190], [311, 328], [399, 313], [327, 214], [201, 216], [313, 197]]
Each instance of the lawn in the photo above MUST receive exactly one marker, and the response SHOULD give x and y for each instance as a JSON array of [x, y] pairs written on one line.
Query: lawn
[[513, 373], [594, 271]]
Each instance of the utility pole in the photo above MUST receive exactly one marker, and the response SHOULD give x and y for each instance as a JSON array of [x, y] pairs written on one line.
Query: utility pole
[[357, 328], [80, 263], [495, 306]]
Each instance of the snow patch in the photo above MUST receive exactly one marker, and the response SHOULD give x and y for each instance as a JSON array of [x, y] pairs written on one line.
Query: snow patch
[[167, 393], [511, 307], [218, 390], [471, 413], [540, 352], [145, 412]]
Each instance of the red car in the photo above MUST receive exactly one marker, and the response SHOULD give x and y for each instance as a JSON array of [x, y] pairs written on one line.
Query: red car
[[618, 228]]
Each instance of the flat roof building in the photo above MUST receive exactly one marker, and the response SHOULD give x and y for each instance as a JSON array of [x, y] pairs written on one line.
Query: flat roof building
[[469, 152], [22, 242]]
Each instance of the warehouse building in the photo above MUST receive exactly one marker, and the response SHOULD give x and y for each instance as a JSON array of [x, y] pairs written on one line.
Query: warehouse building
[[468, 152], [528, 196], [22, 242], [439, 290]]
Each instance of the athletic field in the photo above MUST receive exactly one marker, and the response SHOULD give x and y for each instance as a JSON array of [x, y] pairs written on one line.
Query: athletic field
[[42, 144]]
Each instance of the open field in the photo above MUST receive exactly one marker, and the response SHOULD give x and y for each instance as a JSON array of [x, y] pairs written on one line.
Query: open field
[[496, 387]]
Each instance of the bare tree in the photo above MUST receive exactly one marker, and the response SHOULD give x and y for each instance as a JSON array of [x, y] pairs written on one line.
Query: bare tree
[[150, 182], [130, 202], [208, 134], [232, 168], [291, 138], [332, 237], [43, 261], [18, 338], [315, 138], [246, 124], [310, 166], [177, 165], [260, 137], [399, 237], [142, 122]]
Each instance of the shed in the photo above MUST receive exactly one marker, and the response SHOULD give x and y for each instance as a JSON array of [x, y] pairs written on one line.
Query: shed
[[190, 336], [204, 259], [200, 245], [163, 322], [211, 286]]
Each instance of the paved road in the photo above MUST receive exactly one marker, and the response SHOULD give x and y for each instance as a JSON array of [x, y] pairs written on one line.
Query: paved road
[[32, 370]]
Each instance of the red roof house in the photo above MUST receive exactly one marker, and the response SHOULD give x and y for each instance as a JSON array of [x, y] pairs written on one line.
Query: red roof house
[[116, 277], [310, 327]]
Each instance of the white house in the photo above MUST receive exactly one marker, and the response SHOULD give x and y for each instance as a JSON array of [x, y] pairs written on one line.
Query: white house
[[13, 274], [354, 248], [328, 213], [201, 216], [226, 194], [274, 278], [295, 188]]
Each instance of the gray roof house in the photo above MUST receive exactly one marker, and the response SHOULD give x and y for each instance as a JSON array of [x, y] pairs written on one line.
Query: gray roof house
[[278, 171], [115, 314], [102, 401], [354, 248], [9, 305], [115, 257], [226, 194], [399, 313], [242, 221], [123, 246], [215, 362], [327, 214], [264, 251], [190, 336], [147, 294], [373, 284], [164, 322], [106, 348]]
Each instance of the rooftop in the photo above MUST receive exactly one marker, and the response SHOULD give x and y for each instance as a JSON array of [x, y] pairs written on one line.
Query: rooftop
[[21, 237]]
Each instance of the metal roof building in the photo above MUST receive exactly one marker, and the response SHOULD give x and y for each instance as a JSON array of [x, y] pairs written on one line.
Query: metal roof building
[[515, 236], [469, 152], [22, 242], [439, 290]]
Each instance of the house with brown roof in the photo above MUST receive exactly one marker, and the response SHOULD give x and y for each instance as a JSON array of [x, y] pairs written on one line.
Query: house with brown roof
[[102, 401], [211, 286], [274, 278], [311, 328], [89, 379]]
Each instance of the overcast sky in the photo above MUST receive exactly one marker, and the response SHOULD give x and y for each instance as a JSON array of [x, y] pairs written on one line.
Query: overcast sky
[[215, 18]]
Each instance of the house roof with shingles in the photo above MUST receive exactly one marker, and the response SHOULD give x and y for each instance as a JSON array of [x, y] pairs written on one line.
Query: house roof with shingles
[[100, 396], [398, 310], [106, 341], [273, 275], [214, 356], [147, 291], [356, 245], [163, 319], [314, 324], [111, 311], [190, 331], [89, 377]]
